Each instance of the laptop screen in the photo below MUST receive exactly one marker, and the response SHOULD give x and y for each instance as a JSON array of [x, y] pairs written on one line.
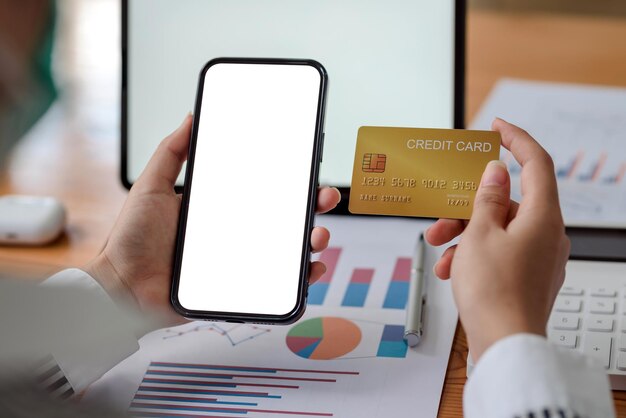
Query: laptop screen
[[389, 63]]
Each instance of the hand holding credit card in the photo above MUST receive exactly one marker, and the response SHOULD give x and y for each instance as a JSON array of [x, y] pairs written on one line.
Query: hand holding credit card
[[432, 173]]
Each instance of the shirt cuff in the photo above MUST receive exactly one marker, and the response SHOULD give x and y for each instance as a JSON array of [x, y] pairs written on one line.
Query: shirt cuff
[[76, 278], [524, 373], [79, 279], [102, 334]]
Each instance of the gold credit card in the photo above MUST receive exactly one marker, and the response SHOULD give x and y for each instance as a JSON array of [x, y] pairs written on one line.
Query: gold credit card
[[431, 173]]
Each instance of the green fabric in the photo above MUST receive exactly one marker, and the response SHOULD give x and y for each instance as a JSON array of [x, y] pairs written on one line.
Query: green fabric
[[17, 118]]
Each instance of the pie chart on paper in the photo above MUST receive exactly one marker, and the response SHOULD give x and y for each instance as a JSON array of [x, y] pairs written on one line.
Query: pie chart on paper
[[323, 338]]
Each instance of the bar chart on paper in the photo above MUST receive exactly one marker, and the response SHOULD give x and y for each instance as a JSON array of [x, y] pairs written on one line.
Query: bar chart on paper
[[398, 291], [359, 286], [182, 390], [356, 291], [332, 362]]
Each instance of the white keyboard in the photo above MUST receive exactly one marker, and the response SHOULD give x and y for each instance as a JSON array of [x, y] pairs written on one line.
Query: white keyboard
[[589, 315]]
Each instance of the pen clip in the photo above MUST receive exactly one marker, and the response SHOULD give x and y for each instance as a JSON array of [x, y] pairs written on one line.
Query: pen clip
[[423, 318]]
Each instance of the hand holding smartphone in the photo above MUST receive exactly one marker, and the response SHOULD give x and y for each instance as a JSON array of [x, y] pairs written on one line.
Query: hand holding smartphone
[[239, 257]]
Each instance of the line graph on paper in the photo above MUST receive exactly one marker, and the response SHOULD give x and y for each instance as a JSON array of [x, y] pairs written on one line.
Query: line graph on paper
[[235, 334]]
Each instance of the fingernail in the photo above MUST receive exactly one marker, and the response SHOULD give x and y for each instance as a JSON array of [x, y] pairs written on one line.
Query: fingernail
[[338, 193], [435, 269], [497, 119], [495, 174], [184, 121], [324, 268]]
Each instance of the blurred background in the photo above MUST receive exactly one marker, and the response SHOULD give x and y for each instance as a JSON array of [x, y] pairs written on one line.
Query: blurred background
[[60, 91], [79, 41], [66, 51], [598, 7]]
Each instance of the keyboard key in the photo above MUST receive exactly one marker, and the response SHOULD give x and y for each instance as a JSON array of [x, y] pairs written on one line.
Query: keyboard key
[[604, 292], [573, 291], [602, 306], [568, 305], [623, 326], [598, 346], [600, 324], [621, 361], [565, 322], [565, 339], [621, 345]]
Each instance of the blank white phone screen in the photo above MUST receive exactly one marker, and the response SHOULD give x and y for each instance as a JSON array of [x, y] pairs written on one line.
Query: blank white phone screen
[[248, 201]]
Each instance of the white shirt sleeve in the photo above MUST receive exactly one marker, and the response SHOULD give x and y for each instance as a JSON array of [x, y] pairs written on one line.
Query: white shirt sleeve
[[97, 346], [524, 375]]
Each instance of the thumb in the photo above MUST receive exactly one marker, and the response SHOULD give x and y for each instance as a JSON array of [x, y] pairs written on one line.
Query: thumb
[[165, 164], [492, 201]]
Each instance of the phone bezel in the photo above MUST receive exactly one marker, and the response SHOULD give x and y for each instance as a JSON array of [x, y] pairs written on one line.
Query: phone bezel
[[300, 305]]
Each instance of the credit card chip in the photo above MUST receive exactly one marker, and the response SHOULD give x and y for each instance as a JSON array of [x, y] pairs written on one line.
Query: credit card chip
[[374, 163]]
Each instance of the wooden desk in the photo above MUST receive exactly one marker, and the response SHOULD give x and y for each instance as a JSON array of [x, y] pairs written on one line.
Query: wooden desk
[[61, 161]]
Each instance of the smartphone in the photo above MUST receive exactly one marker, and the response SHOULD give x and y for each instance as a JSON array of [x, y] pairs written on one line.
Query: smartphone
[[243, 244]]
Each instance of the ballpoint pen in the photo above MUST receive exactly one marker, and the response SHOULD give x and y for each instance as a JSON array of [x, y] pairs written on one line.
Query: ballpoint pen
[[414, 328]]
